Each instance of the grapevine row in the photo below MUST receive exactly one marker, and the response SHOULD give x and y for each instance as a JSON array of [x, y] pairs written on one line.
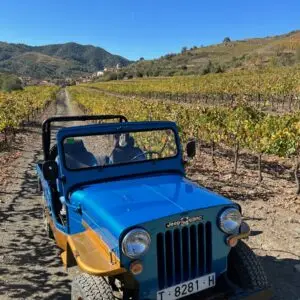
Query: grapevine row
[[240, 127], [19, 106], [277, 89]]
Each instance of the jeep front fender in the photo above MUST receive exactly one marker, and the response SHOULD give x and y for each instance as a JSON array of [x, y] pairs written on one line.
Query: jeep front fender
[[92, 255]]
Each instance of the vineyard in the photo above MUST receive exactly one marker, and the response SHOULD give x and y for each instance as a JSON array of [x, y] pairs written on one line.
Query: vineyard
[[275, 89], [20, 106], [241, 126]]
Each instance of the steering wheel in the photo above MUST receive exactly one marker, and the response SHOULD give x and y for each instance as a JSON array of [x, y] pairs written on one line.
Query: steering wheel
[[145, 153]]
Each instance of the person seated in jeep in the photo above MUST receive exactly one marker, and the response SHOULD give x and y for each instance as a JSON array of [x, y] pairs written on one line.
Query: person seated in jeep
[[125, 150], [77, 156]]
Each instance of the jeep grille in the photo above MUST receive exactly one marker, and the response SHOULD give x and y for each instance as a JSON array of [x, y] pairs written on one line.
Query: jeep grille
[[183, 254]]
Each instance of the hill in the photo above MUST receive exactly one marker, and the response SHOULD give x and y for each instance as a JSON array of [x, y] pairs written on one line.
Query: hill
[[55, 61], [281, 50]]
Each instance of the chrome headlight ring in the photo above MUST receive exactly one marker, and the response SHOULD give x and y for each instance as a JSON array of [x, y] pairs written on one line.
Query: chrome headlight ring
[[230, 220]]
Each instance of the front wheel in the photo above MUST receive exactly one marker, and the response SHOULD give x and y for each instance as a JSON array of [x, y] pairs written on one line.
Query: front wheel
[[244, 268], [88, 287]]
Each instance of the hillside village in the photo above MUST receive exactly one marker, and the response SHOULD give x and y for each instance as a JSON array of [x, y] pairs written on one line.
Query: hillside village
[[28, 81]]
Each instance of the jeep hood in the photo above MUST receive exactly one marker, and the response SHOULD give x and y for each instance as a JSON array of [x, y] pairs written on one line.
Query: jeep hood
[[112, 207]]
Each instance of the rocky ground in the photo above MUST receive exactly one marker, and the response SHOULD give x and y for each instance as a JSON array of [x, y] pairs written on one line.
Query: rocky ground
[[30, 266]]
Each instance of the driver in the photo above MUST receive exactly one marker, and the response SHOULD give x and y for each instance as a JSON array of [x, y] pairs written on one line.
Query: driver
[[124, 150]]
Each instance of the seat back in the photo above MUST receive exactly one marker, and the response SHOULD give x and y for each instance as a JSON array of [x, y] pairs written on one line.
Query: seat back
[[77, 156]]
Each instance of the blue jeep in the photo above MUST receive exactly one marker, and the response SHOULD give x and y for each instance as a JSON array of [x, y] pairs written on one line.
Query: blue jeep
[[118, 203]]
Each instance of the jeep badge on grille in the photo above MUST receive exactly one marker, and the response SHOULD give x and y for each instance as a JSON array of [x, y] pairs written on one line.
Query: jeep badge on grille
[[184, 221]]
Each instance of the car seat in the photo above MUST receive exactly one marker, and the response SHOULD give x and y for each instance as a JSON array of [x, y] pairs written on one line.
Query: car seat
[[77, 156]]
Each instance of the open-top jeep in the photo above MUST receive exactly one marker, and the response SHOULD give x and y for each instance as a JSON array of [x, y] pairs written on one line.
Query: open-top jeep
[[118, 203]]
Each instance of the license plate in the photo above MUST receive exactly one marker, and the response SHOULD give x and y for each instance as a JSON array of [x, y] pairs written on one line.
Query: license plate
[[187, 288]]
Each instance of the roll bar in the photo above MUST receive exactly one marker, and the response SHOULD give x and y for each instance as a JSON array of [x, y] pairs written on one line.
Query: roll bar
[[46, 127]]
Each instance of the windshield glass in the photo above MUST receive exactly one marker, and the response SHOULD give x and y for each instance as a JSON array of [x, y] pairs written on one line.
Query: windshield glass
[[112, 149]]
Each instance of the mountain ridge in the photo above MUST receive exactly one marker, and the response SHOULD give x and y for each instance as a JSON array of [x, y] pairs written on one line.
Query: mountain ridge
[[56, 60], [75, 60]]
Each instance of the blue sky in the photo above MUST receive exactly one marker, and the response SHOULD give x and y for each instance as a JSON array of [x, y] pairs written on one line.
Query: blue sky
[[136, 28]]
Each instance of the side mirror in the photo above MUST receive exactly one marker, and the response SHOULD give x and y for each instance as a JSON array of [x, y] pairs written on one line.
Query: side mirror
[[50, 170], [191, 148]]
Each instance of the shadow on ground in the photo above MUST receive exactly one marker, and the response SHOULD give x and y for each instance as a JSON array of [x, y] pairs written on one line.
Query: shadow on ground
[[282, 275], [30, 264]]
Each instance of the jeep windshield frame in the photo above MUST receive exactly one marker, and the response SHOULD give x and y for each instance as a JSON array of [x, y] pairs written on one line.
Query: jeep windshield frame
[[139, 152], [70, 178]]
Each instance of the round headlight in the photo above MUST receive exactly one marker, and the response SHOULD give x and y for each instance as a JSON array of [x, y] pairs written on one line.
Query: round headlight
[[230, 220], [136, 243]]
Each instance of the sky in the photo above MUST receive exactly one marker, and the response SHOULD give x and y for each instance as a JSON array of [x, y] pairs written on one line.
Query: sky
[[144, 28]]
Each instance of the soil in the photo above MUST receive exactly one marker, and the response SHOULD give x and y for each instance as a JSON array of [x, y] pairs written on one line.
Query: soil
[[30, 264]]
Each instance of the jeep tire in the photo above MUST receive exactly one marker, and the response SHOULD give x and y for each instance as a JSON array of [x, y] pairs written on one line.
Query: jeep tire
[[88, 287], [244, 268]]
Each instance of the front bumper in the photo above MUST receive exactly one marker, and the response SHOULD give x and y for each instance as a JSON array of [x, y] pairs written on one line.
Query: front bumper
[[225, 290], [264, 294]]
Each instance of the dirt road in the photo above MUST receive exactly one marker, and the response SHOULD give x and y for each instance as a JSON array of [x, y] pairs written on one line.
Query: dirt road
[[30, 266]]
